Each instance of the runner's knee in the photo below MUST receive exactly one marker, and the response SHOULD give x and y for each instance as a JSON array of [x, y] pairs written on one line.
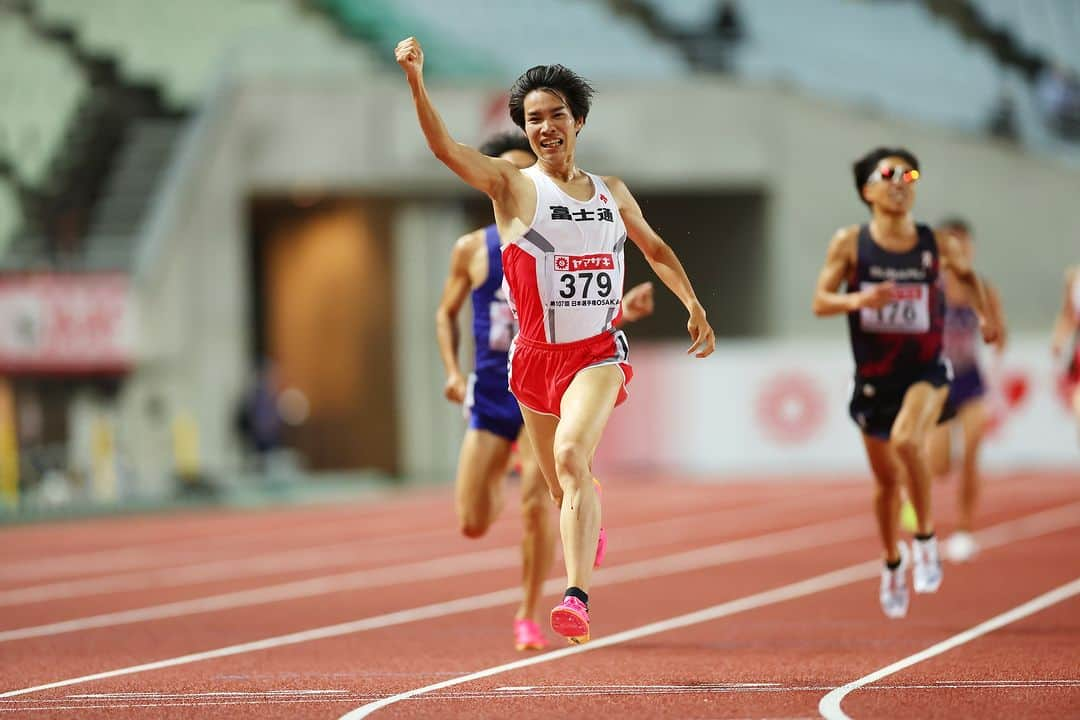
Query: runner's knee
[[474, 524], [906, 442], [571, 465]]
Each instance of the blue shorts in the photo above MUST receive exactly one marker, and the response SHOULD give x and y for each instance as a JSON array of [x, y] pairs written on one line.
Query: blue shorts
[[876, 401], [491, 407], [965, 387]]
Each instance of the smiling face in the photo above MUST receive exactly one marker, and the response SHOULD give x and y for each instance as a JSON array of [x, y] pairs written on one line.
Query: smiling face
[[550, 126], [894, 193]]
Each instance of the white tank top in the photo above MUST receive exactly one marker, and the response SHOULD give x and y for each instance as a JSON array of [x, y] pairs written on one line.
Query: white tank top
[[565, 273]]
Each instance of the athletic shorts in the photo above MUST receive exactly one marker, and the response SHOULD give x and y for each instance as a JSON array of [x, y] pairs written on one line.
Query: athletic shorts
[[965, 387], [491, 406], [876, 401], [540, 372]]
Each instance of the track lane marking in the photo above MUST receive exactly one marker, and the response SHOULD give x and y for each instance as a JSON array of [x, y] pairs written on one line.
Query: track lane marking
[[1009, 531], [829, 706]]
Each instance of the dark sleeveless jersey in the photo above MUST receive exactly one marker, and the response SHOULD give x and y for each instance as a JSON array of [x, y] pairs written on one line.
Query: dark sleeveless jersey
[[905, 336], [493, 322]]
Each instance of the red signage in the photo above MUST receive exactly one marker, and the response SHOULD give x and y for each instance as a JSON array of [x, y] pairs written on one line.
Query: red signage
[[70, 323], [574, 263]]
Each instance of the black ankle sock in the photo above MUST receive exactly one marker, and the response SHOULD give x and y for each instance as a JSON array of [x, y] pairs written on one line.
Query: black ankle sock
[[892, 565], [578, 593], [924, 538]]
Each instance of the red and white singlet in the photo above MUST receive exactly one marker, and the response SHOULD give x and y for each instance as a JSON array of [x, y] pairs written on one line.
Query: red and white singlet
[[564, 277]]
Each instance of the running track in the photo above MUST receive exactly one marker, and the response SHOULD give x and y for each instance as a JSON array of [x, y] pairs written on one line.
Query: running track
[[731, 600]]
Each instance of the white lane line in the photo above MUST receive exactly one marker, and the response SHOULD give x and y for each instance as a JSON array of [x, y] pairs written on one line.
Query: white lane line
[[810, 586], [313, 558], [829, 707], [163, 577], [817, 536], [437, 568], [338, 553], [1009, 531], [811, 536], [644, 535], [146, 557]]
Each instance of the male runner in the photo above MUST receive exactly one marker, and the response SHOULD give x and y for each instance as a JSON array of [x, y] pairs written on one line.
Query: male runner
[[495, 421], [563, 232], [896, 315], [965, 393]]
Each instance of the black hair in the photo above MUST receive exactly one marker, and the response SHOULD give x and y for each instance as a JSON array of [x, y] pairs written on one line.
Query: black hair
[[504, 142], [956, 223], [864, 166], [575, 90]]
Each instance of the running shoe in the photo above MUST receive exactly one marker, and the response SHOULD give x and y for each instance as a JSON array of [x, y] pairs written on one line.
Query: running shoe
[[528, 635], [601, 542], [926, 573], [894, 590], [961, 547], [570, 618]]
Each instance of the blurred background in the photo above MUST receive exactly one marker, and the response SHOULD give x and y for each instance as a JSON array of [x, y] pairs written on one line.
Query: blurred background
[[223, 238]]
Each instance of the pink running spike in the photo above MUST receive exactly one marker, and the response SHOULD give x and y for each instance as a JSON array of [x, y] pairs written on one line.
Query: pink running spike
[[528, 635], [570, 618]]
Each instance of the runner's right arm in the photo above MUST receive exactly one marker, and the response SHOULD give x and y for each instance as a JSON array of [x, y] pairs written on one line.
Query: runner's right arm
[[491, 176], [1065, 324], [457, 287], [838, 264]]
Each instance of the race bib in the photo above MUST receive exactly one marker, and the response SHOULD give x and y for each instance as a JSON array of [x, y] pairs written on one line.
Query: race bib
[[909, 313], [503, 326], [585, 281]]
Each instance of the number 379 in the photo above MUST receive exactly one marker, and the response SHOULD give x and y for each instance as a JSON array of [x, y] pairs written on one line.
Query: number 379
[[571, 281]]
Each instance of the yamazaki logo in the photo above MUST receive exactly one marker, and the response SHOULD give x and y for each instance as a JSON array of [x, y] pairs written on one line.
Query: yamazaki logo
[[574, 263]]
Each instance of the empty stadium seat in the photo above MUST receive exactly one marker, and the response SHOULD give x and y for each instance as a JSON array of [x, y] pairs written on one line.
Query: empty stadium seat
[[41, 88], [180, 46]]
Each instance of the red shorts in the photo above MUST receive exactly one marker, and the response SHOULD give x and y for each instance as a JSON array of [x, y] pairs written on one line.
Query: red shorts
[[540, 372]]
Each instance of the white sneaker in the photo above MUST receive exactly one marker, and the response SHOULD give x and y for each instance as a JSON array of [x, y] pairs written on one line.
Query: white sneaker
[[894, 590], [927, 571], [961, 547]]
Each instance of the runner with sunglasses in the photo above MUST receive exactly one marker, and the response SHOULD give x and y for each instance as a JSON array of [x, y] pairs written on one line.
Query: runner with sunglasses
[[895, 304], [495, 422], [563, 232]]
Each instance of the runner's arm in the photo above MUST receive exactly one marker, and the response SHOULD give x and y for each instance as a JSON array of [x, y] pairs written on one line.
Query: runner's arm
[[838, 264], [491, 176], [998, 312], [447, 334], [666, 265], [1066, 323]]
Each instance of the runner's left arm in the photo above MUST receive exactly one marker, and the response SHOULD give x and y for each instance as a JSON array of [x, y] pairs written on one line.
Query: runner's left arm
[[666, 265]]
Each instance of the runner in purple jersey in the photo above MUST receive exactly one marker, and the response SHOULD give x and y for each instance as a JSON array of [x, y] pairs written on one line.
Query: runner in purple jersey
[[896, 313], [966, 393]]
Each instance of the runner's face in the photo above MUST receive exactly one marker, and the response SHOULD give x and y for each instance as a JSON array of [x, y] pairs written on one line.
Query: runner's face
[[966, 245], [519, 158], [551, 128], [888, 196]]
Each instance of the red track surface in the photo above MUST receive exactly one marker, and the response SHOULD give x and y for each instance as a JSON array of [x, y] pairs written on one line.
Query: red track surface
[[773, 659]]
